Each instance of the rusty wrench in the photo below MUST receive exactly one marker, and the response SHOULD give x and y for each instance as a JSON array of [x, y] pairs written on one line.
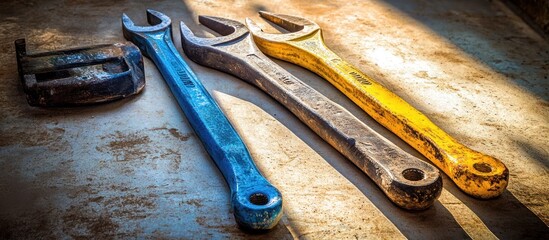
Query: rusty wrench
[[409, 182], [256, 203], [477, 174]]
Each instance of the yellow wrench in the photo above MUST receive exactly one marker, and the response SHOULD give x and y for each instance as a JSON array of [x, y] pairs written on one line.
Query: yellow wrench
[[477, 174]]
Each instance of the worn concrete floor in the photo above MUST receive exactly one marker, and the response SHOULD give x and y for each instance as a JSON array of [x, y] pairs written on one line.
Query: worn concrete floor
[[134, 168]]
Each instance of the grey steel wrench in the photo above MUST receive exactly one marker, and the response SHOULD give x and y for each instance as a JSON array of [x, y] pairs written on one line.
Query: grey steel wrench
[[256, 203], [408, 182]]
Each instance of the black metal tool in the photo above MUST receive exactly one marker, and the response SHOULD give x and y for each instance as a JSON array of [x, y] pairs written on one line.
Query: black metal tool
[[80, 76], [408, 182]]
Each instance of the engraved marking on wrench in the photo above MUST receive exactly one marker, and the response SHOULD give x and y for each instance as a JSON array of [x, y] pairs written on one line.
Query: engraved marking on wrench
[[360, 79], [183, 76], [354, 74]]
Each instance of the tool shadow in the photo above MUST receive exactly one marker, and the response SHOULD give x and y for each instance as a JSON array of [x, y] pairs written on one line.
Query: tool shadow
[[505, 216], [407, 222]]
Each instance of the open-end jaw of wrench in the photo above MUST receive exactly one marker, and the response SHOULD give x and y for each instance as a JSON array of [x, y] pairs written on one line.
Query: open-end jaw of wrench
[[409, 182], [256, 203], [477, 174]]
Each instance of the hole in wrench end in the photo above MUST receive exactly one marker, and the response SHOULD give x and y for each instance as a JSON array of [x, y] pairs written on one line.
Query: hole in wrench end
[[482, 167], [413, 174], [259, 199]]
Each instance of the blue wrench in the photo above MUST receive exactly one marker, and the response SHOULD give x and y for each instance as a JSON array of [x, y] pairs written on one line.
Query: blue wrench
[[256, 203]]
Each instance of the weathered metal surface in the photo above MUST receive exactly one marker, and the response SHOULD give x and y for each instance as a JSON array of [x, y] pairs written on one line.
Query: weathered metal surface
[[257, 204], [477, 174], [409, 182], [134, 168], [80, 76]]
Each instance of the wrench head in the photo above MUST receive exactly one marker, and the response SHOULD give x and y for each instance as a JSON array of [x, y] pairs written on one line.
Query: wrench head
[[160, 25], [223, 53], [298, 27], [228, 29]]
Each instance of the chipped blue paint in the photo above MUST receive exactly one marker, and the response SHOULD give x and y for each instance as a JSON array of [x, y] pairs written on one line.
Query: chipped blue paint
[[256, 203]]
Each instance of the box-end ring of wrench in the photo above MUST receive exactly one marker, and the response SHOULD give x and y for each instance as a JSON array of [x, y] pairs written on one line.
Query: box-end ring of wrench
[[256, 203], [408, 182]]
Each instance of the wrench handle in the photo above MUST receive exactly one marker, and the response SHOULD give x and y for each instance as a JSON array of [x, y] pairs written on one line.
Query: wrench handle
[[476, 174], [409, 182], [257, 204]]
